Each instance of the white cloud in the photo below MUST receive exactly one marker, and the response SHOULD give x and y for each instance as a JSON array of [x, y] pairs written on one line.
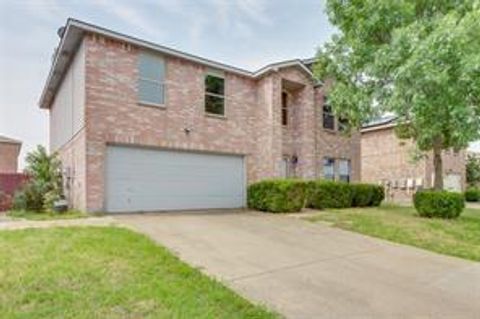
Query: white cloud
[[131, 15], [255, 10]]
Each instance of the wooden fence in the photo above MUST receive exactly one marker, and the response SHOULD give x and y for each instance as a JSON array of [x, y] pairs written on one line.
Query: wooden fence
[[9, 184]]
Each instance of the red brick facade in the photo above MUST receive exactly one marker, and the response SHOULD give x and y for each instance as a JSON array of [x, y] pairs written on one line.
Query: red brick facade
[[388, 160], [9, 152], [251, 126]]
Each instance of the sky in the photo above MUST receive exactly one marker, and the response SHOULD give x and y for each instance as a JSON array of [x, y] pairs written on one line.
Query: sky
[[243, 33]]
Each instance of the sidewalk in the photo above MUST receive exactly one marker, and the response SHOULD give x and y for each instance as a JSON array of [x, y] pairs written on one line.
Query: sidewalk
[[7, 223]]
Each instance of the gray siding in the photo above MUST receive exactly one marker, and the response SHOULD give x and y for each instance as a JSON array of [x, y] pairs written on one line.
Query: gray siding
[[67, 114]]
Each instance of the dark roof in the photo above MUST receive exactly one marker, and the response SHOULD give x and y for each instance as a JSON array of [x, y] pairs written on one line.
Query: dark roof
[[4, 139], [380, 121], [72, 33]]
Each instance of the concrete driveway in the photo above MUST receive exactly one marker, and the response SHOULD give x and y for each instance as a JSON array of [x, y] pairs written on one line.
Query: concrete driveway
[[306, 270]]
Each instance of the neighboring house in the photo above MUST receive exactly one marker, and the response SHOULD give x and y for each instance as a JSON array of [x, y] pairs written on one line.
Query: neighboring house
[[10, 180], [388, 160], [9, 151], [142, 127]]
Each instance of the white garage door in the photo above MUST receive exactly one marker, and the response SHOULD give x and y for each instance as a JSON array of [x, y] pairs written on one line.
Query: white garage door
[[139, 179]]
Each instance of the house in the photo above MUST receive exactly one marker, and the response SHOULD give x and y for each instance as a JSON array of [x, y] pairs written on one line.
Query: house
[[143, 127], [388, 160], [9, 151]]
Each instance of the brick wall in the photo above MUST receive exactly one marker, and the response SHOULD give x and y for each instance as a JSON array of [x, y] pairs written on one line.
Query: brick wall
[[9, 157], [388, 159], [251, 126]]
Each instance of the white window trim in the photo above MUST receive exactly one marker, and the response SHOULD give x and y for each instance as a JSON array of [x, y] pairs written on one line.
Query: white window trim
[[349, 163], [161, 84], [220, 76], [334, 166]]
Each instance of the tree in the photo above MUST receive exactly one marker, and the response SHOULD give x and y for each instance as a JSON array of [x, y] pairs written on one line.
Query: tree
[[45, 181], [473, 170], [416, 59]]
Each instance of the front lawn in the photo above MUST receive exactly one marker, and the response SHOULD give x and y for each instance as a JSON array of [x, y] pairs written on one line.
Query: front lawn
[[46, 215], [90, 272], [460, 237]]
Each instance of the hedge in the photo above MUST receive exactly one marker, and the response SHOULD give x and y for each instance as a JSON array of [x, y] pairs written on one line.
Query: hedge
[[277, 196], [365, 195], [329, 194], [291, 195], [472, 194], [441, 204]]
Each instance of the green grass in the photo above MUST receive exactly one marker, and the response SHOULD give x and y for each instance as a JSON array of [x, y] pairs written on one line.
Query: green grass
[[71, 214], [88, 272], [460, 237]]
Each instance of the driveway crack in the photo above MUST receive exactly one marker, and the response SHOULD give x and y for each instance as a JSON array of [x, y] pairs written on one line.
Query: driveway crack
[[300, 265]]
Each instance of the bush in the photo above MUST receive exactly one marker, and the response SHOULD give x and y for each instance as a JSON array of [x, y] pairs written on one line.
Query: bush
[[378, 195], [282, 195], [44, 186], [29, 198], [472, 194], [362, 195], [441, 204], [329, 194], [5, 201]]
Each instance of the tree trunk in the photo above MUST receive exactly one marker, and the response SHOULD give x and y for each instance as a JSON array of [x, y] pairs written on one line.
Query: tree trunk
[[437, 167]]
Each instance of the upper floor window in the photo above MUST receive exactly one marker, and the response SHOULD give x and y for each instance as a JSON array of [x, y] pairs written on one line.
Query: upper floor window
[[214, 94], [342, 124], [328, 117], [151, 79], [344, 170], [284, 108], [329, 168]]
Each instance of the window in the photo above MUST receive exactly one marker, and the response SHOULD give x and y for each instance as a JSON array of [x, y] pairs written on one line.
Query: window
[[284, 108], [344, 170], [329, 168], [286, 167], [151, 86], [214, 95], [328, 117], [342, 124]]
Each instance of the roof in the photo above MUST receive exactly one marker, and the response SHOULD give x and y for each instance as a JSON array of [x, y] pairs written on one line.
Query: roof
[[4, 139], [383, 122], [72, 34]]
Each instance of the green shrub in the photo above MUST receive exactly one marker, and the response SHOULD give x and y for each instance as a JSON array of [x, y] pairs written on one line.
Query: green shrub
[[378, 195], [329, 194], [44, 186], [472, 194], [441, 204], [362, 195], [29, 198], [282, 195]]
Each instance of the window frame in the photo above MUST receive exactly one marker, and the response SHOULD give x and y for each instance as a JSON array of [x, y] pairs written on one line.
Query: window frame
[[285, 108], [159, 83], [325, 114], [333, 175], [341, 127], [286, 166], [349, 167], [215, 95]]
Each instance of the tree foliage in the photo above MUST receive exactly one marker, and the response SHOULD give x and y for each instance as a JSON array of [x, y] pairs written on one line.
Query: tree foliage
[[416, 59], [473, 170], [45, 183]]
